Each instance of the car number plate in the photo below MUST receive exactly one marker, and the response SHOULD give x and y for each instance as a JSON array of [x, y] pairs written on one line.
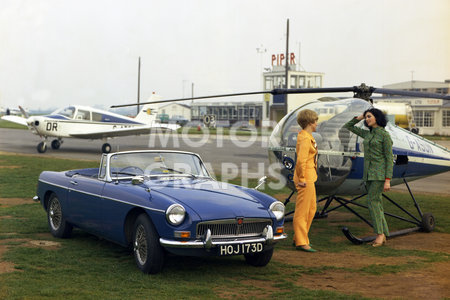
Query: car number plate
[[237, 249]]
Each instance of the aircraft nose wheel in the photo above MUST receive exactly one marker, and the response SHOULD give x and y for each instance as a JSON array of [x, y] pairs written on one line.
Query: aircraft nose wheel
[[428, 222], [42, 147], [106, 148]]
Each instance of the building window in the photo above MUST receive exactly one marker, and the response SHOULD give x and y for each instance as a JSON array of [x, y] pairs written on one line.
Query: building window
[[293, 82], [424, 118], [446, 118], [269, 83], [301, 82], [318, 81]]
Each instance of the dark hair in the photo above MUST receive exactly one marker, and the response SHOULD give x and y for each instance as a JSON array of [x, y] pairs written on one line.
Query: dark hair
[[379, 117]]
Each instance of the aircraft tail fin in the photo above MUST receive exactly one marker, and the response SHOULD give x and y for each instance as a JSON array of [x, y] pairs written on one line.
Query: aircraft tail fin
[[147, 113]]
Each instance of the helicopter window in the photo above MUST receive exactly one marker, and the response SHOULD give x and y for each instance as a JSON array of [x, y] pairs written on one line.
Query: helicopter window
[[332, 117]]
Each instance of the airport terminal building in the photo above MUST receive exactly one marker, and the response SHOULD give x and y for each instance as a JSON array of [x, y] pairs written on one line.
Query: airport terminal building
[[277, 106], [227, 114], [431, 116]]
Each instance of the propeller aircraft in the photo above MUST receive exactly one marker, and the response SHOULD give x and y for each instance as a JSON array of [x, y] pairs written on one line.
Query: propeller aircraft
[[85, 122], [341, 153]]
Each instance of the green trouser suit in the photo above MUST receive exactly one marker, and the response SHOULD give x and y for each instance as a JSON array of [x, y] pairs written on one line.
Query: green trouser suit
[[375, 205], [378, 166]]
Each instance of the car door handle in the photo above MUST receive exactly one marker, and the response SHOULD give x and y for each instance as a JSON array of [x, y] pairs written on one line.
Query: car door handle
[[74, 182]]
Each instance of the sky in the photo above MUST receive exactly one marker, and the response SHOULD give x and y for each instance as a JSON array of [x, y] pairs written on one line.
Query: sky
[[55, 53]]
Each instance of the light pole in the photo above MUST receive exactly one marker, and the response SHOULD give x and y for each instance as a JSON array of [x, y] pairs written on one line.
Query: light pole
[[260, 50]]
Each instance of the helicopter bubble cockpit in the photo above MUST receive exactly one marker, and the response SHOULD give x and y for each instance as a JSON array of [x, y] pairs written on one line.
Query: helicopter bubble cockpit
[[333, 141]]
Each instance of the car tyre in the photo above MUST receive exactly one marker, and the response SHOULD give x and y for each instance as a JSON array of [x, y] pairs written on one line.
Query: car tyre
[[148, 253], [259, 259], [56, 222]]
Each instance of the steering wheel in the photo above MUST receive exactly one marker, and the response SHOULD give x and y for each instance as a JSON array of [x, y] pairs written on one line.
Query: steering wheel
[[131, 167]]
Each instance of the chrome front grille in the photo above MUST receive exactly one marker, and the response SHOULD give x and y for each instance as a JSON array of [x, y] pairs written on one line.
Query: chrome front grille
[[223, 229]]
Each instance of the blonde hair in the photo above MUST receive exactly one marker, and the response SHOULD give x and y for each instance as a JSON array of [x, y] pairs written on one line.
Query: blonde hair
[[306, 117]]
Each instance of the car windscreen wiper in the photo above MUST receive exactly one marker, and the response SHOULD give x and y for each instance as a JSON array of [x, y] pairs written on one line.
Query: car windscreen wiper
[[125, 173], [181, 172]]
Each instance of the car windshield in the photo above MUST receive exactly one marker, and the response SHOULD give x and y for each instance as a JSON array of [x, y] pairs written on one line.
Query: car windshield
[[156, 164]]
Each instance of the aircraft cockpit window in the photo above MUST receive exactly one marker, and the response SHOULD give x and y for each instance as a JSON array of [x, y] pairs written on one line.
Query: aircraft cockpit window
[[67, 112], [83, 115], [96, 117]]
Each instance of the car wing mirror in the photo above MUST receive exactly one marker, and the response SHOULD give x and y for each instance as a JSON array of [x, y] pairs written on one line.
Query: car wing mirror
[[261, 181]]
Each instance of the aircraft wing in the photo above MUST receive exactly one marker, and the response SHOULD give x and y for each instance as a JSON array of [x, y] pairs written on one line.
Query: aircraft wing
[[15, 119], [123, 131]]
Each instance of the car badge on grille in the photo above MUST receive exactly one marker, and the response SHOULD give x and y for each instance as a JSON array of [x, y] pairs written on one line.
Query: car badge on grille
[[240, 221]]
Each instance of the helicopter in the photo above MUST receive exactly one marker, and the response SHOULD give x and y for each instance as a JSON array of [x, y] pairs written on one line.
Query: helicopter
[[341, 153]]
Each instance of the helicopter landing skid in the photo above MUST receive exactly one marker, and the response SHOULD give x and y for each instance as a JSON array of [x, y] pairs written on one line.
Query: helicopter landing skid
[[424, 223], [358, 241]]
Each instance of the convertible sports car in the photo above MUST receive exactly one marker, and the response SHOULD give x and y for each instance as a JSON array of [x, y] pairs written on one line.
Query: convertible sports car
[[158, 201]]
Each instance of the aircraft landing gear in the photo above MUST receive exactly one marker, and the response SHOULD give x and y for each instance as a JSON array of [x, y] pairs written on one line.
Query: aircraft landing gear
[[424, 222], [42, 147], [56, 144], [428, 222], [106, 148]]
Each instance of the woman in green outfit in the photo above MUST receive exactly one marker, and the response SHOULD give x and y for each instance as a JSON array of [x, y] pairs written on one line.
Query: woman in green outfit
[[378, 164]]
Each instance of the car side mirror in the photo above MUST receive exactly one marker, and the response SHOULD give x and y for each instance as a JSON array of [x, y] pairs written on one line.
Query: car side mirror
[[261, 181]]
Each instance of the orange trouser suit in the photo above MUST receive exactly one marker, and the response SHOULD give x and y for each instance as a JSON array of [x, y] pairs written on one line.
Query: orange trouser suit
[[305, 171]]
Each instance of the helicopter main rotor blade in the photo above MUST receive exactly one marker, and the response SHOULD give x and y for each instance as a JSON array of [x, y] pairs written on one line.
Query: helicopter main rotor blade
[[414, 94], [361, 91], [192, 98], [273, 92]]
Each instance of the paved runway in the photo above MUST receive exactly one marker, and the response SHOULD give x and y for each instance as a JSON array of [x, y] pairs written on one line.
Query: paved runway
[[248, 154], [225, 155]]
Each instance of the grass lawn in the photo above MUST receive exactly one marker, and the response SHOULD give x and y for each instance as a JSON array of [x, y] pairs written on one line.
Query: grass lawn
[[6, 124], [87, 267]]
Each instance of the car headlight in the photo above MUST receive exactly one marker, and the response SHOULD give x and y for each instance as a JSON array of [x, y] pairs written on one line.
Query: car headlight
[[278, 210], [175, 214]]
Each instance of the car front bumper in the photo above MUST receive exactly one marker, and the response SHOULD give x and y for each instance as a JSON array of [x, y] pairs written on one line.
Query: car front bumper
[[207, 242]]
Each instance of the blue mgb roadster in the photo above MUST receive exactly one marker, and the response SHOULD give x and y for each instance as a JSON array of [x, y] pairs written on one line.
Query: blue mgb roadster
[[162, 201]]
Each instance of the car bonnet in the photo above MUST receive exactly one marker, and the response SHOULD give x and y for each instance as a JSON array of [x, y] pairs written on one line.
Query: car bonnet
[[211, 199]]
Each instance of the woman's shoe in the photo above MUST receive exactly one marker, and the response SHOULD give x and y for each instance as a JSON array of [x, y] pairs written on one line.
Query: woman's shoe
[[375, 244], [293, 244], [300, 248]]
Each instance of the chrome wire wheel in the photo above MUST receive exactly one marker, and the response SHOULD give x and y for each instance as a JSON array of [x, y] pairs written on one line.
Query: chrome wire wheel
[[140, 244], [55, 214]]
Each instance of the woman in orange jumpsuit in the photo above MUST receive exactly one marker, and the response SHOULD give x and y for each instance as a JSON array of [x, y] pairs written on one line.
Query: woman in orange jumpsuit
[[305, 176]]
